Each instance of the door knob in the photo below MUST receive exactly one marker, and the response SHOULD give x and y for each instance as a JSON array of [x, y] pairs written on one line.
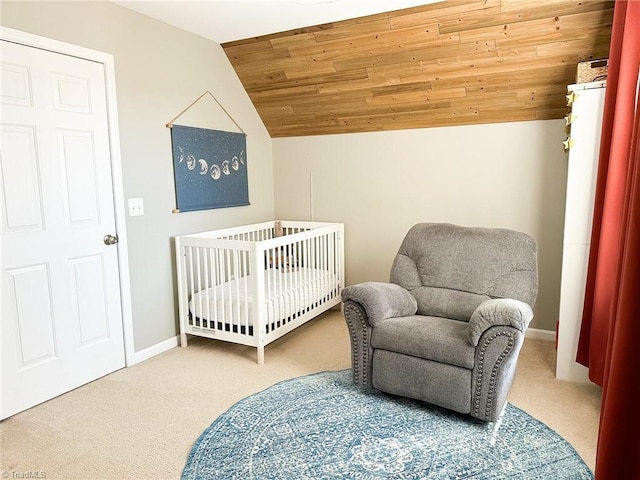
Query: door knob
[[110, 239]]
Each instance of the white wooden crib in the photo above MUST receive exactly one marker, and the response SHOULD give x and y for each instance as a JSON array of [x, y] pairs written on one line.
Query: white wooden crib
[[254, 283]]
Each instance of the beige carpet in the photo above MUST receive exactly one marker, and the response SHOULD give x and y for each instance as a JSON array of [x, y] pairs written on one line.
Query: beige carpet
[[141, 422]]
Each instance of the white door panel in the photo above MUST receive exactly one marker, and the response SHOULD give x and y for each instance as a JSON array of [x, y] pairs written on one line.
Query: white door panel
[[61, 312], [16, 85], [21, 180], [34, 335]]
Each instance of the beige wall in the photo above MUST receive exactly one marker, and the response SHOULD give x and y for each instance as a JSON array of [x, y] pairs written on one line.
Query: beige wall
[[509, 175], [160, 70]]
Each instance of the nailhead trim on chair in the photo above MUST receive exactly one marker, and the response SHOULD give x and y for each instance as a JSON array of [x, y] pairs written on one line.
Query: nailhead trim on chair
[[494, 372]]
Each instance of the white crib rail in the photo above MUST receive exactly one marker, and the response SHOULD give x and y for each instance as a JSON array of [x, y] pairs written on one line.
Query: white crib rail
[[245, 285]]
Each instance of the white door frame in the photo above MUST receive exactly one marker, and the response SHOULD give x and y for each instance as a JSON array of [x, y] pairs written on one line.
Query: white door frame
[[106, 59]]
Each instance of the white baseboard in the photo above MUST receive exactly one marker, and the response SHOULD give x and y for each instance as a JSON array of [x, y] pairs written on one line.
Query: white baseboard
[[537, 334], [156, 349]]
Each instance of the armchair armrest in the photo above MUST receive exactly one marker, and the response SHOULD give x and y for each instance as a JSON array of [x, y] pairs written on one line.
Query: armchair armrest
[[499, 311], [381, 300]]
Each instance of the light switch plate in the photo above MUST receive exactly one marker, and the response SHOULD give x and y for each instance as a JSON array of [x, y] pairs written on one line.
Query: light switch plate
[[136, 207]]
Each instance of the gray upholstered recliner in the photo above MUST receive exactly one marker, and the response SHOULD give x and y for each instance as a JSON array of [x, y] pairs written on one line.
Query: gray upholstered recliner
[[448, 327]]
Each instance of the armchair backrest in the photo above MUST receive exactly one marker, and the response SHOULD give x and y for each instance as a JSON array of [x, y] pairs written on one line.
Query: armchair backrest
[[450, 269]]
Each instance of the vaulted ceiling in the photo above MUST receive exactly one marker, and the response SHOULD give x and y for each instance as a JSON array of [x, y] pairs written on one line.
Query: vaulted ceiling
[[451, 63]]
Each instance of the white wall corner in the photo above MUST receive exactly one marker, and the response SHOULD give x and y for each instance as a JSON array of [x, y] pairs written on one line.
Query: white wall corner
[[154, 350], [537, 334]]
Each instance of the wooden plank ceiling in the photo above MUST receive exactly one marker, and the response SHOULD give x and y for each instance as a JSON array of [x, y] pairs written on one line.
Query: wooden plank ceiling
[[450, 63]]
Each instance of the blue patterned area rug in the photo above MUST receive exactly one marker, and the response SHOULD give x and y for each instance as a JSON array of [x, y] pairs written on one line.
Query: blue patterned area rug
[[322, 426]]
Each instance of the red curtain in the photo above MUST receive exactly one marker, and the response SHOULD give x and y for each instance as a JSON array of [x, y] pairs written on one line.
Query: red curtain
[[609, 342]]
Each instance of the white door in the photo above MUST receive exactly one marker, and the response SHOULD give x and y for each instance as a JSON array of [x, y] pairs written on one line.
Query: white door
[[61, 312]]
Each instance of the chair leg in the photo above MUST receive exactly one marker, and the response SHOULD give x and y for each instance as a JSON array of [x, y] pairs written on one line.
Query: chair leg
[[496, 426]]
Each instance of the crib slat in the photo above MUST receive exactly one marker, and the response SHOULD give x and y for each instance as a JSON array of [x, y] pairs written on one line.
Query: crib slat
[[282, 284], [296, 279], [270, 290], [198, 285], [222, 304], [305, 261], [245, 275], [228, 313], [206, 317], [213, 284], [236, 281], [284, 280]]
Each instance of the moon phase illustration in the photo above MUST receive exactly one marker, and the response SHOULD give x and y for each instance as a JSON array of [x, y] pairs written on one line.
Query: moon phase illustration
[[215, 170], [204, 166], [210, 168]]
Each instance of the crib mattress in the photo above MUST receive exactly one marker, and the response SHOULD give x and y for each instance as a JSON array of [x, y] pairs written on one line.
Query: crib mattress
[[287, 293]]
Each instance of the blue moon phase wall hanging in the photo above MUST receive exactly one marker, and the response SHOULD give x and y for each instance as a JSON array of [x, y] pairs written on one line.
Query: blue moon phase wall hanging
[[210, 168]]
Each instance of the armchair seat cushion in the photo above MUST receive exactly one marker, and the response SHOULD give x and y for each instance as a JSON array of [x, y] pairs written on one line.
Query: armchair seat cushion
[[431, 338]]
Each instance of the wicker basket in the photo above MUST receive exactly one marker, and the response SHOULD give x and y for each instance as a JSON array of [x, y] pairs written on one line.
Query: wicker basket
[[592, 71]]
